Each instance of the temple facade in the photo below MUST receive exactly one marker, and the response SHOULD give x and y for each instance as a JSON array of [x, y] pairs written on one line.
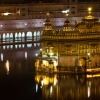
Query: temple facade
[[71, 48]]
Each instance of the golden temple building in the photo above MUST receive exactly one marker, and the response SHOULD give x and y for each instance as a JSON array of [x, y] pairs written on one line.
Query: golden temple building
[[72, 47]]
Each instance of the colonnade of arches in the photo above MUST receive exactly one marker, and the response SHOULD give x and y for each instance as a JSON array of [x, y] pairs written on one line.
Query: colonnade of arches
[[20, 36], [26, 39]]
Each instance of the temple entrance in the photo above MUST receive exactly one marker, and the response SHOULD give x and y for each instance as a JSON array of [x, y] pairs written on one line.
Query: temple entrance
[[82, 61]]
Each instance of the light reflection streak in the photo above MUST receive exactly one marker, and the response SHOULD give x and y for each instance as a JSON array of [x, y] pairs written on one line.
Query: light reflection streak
[[1, 57], [36, 87], [88, 91], [94, 75], [46, 80], [67, 86], [50, 90], [7, 67], [25, 55]]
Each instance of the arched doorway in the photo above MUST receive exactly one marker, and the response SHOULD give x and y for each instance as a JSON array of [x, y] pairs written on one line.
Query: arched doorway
[[83, 63]]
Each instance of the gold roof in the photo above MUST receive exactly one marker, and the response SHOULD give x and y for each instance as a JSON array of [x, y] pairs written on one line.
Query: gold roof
[[89, 18], [88, 22]]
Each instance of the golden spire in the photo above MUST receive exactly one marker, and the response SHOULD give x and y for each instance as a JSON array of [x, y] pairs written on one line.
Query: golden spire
[[67, 15], [48, 15], [89, 10], [67, 26]]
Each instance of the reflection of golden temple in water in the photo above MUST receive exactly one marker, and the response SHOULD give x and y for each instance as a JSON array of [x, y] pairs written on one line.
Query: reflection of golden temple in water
[[69, 47], [68, 87]]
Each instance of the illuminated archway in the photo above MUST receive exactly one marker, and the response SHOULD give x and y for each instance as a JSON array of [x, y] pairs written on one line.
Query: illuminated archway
[[29, 36]]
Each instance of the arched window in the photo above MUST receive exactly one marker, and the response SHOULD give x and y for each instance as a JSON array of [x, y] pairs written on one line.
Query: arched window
[[4, 36], [16, 37], [38, 35], [23, 36], [35, 33], [11, 36], [35, 36], [23, 45], [29, 36], [7, 37], [19, 36]]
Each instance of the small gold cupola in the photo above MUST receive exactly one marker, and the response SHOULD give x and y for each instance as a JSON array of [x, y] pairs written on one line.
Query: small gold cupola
[[48, 25], [67, 26]]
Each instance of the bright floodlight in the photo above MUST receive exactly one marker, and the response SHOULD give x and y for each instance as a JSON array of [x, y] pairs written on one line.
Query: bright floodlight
[[6, 13], [40, 49], [89, 9], [65, 11], [88, 54], [36, 54]]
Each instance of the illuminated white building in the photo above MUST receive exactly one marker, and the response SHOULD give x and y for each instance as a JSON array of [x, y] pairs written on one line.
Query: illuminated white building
[[25, 22]]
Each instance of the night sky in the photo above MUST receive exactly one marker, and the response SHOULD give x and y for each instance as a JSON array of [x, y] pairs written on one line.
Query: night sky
[[29, 1]]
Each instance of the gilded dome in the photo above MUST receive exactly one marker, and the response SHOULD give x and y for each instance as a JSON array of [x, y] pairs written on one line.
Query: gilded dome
[[90, 18], [88, 22]]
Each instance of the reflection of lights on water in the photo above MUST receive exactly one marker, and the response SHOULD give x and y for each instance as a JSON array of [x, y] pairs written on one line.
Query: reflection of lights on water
[[89, 88], [95, 75], [46, 80], [7, 66], [1, 57], [11, 46], [25, 55], [4, 47], [23, 46], [19, 46], [7, 46], [16, 46], [36, 87], [50, 90], [89, 84], [29, 45], [88, 91]]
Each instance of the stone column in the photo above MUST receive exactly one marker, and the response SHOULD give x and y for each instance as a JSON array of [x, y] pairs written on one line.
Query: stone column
[[25, 36], [13, 37]]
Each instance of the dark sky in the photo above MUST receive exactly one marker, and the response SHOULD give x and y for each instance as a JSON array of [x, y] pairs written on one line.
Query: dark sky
[[23, 1], [29, 1]]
